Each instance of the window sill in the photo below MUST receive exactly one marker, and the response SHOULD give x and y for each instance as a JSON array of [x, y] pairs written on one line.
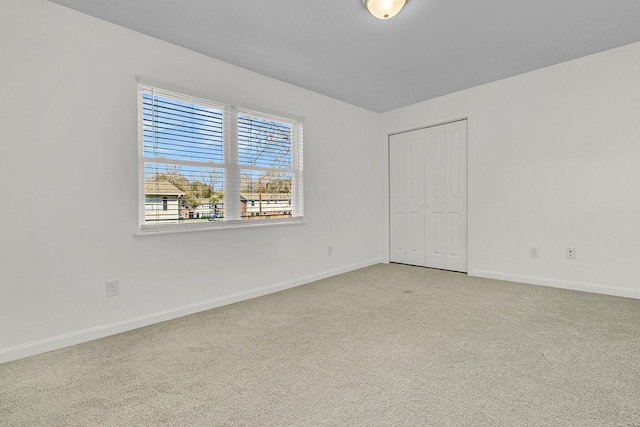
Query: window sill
[[222, 225]]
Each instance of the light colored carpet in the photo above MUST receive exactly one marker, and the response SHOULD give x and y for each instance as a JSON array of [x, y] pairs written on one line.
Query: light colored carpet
[[388, 345]]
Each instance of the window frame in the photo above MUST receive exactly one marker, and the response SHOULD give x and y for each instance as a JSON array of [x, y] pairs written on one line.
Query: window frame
[[230, 163]]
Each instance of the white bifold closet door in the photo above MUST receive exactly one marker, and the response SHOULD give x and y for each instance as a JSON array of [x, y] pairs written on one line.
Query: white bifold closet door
[[428, 196]]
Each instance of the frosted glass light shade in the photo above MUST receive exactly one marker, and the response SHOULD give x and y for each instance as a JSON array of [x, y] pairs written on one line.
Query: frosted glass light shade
[[384, 9]]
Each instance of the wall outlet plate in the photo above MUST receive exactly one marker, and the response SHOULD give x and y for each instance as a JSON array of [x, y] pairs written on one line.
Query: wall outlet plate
[[113, 288], [534, 252], [571, 253]]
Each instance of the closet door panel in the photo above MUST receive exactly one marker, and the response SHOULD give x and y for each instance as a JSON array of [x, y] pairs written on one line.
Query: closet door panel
[[428, 197]]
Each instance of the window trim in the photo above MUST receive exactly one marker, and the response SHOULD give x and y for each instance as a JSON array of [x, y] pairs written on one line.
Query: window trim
[[230, 163]]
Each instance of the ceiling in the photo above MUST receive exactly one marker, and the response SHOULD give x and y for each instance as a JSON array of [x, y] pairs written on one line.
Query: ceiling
[[336, 48]]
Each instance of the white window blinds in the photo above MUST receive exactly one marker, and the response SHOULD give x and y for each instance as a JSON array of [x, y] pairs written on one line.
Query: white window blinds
[[181, 129]]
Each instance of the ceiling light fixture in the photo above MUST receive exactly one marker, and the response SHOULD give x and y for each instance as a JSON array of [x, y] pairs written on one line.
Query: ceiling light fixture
[[384, 9]]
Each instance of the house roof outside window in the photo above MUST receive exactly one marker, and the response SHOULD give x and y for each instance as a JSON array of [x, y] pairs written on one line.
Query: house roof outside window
[[161, 188]]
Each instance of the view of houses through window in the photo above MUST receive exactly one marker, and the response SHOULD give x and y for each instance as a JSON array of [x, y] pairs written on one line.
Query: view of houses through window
[[177, 194], [192, 163]]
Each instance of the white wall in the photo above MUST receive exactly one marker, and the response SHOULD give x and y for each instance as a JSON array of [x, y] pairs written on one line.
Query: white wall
[[554, 162], [68, 135]]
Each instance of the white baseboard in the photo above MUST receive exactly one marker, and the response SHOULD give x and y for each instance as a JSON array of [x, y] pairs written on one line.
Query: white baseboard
[[77, 337], [554, 283]]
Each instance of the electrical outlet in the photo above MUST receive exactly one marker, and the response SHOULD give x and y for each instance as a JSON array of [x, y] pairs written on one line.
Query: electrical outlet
[[113, 288], [571, 253], [330, 250], [533, 252]]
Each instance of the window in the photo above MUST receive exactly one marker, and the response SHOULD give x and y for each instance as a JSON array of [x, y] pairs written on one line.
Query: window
[[195, 153]]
